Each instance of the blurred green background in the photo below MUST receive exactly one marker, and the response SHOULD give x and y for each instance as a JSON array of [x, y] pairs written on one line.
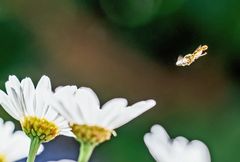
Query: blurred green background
[[128, 48]]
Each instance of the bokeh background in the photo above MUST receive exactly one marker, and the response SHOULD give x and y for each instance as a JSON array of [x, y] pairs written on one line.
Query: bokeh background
[[128, 48]]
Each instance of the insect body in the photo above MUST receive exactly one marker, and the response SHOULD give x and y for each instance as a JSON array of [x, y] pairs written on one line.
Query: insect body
[[190, 58]]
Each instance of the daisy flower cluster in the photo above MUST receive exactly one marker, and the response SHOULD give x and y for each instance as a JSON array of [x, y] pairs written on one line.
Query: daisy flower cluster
[[76, 112]]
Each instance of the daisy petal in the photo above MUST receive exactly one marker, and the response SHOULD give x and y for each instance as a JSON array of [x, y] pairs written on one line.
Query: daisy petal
[[6, 104], [66, 89], [89, 104], [44, 83], [132, 112], [28, 94], [111, 109]]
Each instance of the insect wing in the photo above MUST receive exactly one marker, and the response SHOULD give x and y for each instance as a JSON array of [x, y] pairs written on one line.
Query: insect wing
[[180, 57], [179, 61], [197, 50]]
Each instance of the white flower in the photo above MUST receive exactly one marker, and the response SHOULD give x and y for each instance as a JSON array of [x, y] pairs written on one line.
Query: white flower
[[63, 160], [81, 108], [164, 149], [13, 145], [30, 106]]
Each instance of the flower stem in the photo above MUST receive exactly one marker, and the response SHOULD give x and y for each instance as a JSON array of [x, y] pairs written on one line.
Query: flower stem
[[35, 143], [86, 150]]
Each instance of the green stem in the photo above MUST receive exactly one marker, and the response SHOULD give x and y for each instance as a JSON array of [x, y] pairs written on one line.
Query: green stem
[[35, 144], [86, 150]]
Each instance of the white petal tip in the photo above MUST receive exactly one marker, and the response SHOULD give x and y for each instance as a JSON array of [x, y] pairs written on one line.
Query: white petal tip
[[12, 77], [157, 128], [85, 89], [151, 102], [45, 77]]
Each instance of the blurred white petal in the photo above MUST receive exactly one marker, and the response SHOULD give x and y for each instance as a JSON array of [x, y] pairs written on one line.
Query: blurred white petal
[[63, 160], [163, 149], [13, 145]]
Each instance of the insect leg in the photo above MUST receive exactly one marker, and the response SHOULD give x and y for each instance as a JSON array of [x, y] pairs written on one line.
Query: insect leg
[[203, 54]]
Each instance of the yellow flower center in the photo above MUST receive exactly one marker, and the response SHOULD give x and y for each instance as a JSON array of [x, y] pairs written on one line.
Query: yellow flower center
[[91, 134], [3, 158], [39, 127]]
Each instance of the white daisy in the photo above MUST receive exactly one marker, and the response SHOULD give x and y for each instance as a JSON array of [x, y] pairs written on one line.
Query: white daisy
[[30, 106], [164, 149], [89, 122], [63, 160], [9, 140]]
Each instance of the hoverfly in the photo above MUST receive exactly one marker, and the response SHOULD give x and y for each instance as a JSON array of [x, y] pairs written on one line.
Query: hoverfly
[[190, 58]]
